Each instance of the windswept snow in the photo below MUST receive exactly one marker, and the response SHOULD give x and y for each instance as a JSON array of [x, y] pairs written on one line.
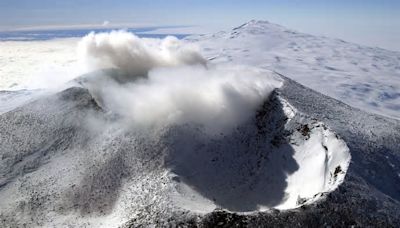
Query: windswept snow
[[9, 100], [364, 77]]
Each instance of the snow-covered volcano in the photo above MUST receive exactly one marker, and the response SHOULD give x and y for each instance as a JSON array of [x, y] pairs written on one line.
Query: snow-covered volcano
[[174, 140], [73, 163]]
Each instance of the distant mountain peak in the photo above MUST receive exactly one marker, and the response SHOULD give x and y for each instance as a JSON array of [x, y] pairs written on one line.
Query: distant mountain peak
[[253, 23], [258, 22], [259, 26]]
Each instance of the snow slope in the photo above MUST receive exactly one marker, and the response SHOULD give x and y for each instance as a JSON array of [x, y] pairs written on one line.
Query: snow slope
[[67, 162], [364, 77]]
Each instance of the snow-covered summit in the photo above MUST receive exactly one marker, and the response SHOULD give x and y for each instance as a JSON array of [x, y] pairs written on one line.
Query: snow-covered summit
[[257, 27], [364, 77]]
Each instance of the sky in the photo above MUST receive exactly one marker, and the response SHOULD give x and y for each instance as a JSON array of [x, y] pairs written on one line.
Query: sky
[[369, 22]]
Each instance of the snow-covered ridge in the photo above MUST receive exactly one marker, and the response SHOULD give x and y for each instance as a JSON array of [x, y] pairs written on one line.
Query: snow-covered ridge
[[363, 77], [66, 175], [84, 165]]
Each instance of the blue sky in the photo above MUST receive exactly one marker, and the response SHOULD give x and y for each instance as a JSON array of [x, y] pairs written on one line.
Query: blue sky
[[370, 22]]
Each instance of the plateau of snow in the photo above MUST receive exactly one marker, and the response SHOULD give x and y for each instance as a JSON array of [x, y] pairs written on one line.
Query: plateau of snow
[[363, 77]]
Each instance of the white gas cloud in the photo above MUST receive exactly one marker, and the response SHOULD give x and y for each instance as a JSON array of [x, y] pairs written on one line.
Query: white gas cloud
[[133, 55], [169, 82]]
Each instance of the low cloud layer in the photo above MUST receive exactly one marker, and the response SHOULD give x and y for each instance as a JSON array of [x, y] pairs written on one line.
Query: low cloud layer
[[169, 82]]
